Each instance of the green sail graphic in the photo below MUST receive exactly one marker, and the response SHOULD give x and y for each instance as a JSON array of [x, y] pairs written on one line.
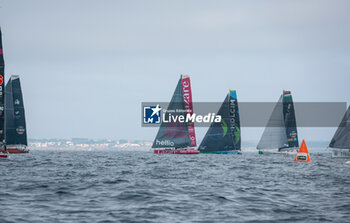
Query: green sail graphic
[[237, 133], [224, 127]]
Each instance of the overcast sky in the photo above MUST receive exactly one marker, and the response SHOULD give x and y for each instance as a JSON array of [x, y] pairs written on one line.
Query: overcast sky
[[86, 66]]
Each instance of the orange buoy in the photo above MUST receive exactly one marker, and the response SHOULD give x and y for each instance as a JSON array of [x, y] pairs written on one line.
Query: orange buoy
[[303, 154]]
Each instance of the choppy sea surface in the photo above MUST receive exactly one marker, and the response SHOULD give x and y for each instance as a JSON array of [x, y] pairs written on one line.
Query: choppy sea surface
[[114, 186]]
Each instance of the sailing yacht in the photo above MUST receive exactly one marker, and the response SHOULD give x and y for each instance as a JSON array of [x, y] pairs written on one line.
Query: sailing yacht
[[2, 100], [224, 137], [13, 133], [280, 133], [15, 123], [178, 137], [341, 139]]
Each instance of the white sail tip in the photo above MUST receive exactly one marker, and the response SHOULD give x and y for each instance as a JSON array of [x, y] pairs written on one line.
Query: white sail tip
[[13, 77]]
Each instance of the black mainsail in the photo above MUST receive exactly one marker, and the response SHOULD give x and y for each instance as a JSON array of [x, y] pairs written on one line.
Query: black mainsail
[[281, 130], [2, 94], [341, 138], [290, 121], [177, 134], [225, 135], [15, 116]]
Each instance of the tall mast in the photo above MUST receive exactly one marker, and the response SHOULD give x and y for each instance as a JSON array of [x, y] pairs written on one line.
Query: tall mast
[[2, 93]]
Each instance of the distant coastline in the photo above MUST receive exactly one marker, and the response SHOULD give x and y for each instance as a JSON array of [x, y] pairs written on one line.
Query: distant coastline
[[88, 144], [128, 145]]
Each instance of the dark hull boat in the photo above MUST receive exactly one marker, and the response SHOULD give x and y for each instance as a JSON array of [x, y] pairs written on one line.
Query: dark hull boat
[[341, 139], [15, 124], [177, 137], [281, 133], [3, 155], [224, 137], [15, 149]]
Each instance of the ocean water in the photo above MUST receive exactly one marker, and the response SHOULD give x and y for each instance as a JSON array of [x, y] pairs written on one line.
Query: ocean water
[[112, 186]]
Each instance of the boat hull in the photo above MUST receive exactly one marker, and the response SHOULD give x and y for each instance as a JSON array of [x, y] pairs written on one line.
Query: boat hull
[[293, 151], [224, 152], [176, 151], [16, 149], [340, 153], [2, 155]]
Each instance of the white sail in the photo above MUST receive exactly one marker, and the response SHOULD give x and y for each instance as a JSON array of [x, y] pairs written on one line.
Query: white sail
[[274, 136]]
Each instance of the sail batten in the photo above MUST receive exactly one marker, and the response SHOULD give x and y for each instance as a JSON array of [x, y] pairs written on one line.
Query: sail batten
[[226, 135], [178, 135]]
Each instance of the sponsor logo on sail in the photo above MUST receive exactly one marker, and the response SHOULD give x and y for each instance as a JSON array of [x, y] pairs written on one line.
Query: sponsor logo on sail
[[17, 114], [187, 96], [164, 143], [1, 83], [20, 130]]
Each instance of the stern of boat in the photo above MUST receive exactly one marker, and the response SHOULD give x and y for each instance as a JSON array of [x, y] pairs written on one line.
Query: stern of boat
[[337, 153], [16, 149]]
